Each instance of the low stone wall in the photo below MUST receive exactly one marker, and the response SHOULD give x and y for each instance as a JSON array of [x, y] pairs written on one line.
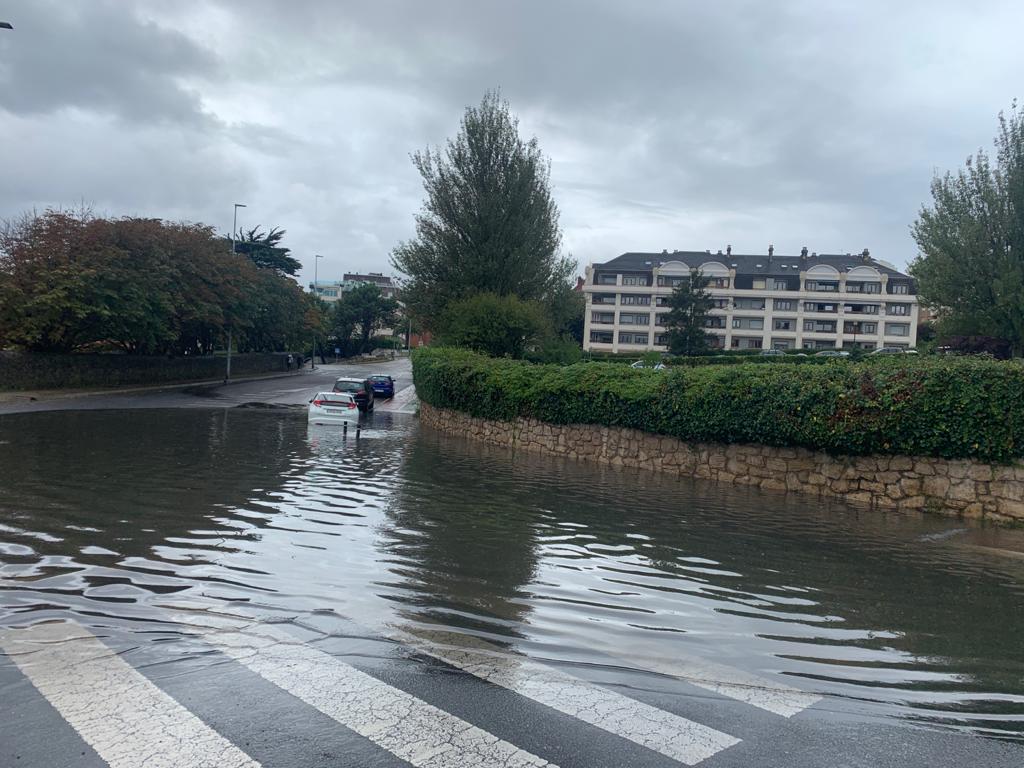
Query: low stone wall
[[955, 487]]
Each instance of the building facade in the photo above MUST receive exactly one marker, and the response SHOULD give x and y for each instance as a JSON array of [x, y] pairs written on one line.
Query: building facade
[[809, 301], [333, 290]]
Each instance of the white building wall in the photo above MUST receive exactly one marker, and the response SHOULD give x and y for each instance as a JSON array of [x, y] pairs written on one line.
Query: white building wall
[[797, 335]]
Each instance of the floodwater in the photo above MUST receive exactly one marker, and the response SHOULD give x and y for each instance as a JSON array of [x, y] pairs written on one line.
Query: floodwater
[[115, 517]]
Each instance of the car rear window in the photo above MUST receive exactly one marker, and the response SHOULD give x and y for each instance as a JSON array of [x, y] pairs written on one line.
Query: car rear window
[[380, 378], [335, 397], [347, 386]]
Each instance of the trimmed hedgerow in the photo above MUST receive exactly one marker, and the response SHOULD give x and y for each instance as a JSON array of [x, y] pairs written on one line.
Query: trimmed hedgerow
[[950, 408]]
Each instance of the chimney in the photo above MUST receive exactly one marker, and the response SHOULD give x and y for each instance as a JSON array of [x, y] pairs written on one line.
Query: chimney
[[865, 254], [719, 251], [728, 250], [803, 252], [771, 251]]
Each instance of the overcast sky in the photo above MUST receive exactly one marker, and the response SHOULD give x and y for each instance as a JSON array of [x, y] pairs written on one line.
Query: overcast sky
[[670, 125]]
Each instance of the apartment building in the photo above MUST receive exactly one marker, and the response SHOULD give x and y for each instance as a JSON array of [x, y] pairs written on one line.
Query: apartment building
[[811, 301]]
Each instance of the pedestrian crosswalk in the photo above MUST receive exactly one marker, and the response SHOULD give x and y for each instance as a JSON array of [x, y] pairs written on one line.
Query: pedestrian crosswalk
[[132, 723], [128, 720]]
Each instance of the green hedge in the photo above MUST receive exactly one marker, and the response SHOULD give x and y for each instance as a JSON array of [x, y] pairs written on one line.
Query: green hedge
[[952, 408]]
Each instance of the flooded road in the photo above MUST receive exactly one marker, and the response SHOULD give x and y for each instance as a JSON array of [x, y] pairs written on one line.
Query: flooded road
[[407, 546]]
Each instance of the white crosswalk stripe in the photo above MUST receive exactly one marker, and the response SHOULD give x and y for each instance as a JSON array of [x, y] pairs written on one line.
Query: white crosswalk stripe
[[404, 725], [671, 735], [117, 711], [728, 681]]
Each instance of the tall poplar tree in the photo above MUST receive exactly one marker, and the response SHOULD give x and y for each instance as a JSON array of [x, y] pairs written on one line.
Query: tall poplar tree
[[489, 223]]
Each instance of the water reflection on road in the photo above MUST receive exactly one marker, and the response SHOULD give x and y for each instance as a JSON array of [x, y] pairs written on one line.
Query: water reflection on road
[[109, 515]]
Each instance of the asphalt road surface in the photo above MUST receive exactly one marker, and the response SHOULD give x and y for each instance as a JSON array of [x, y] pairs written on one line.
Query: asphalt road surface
[[292, 389], [222, 684]]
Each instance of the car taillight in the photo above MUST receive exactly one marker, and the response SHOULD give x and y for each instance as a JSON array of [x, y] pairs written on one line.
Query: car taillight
[[350, 405], [319, 402]]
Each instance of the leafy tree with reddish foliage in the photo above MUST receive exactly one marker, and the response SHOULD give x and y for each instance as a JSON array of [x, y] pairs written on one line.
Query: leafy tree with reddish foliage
[[72, 281]]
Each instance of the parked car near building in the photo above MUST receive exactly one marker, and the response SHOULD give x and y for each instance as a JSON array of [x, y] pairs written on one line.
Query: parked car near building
[[360, 389]]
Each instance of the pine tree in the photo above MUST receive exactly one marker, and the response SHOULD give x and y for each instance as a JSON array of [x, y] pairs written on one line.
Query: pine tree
[[690, 303]]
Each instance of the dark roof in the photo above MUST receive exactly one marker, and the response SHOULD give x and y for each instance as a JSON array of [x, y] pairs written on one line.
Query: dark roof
[[745, 264], [371, 278]]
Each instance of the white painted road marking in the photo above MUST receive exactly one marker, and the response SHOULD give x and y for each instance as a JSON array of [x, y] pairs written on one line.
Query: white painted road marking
[[409, 728], [728, 681], [671, 735], [124, 717]]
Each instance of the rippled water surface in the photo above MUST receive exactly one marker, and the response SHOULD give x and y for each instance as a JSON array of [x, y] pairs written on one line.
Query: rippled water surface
[[112, 516]]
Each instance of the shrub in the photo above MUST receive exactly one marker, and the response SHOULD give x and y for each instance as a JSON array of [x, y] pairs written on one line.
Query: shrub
[[496, 325], [951, 408]]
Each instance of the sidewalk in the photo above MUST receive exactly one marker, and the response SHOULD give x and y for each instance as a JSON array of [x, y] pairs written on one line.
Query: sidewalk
[[19, 396]]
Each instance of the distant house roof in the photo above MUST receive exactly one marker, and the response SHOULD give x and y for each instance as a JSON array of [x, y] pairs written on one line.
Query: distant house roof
[[747, 263]]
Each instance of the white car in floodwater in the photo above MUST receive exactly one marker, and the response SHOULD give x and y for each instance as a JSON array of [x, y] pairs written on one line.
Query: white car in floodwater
[[333, 408]]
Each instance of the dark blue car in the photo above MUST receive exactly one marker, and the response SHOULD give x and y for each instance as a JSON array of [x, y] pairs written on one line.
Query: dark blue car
[[383, 386]]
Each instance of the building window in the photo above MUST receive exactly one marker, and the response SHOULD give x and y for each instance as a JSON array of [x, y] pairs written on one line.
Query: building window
[[632, 338], [897, 329], [897, 309], [753, 323], [626, 298], [784, 304], [785, 324], [636, 280], [899, 288], [661, 339], [634, 318], [720, 303], [671, 280], [780, 285], [743, 342], [660, 318], [714, 322], [828, 286], [820, 326], [861, 309], [810, 306], [748, 303], [601, 337], [759, 284], [863, 287], [857, 328], [661, 301], [603, 318], [718, 282], [605, 279], [782, 343], [603, 298]]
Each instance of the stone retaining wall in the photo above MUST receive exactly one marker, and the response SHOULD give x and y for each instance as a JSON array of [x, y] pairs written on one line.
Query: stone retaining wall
[[956, 487]]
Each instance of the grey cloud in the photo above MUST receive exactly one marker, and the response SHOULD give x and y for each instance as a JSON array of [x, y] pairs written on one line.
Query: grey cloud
[[100, 57], [669, 125]]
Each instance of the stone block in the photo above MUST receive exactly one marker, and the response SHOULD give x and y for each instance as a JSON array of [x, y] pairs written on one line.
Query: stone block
[[935, 486]]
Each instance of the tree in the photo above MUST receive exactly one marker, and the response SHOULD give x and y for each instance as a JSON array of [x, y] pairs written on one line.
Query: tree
[[971, 241], [689, 304], [500, 326], [363, 310], [72, 281], [265, 250], [488, 224]]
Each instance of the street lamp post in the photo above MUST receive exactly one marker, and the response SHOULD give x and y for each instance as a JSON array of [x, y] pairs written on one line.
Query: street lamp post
[[234, 228], [316, 293]]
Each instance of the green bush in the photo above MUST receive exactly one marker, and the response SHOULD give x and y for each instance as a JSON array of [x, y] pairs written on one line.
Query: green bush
[[951, 408]]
